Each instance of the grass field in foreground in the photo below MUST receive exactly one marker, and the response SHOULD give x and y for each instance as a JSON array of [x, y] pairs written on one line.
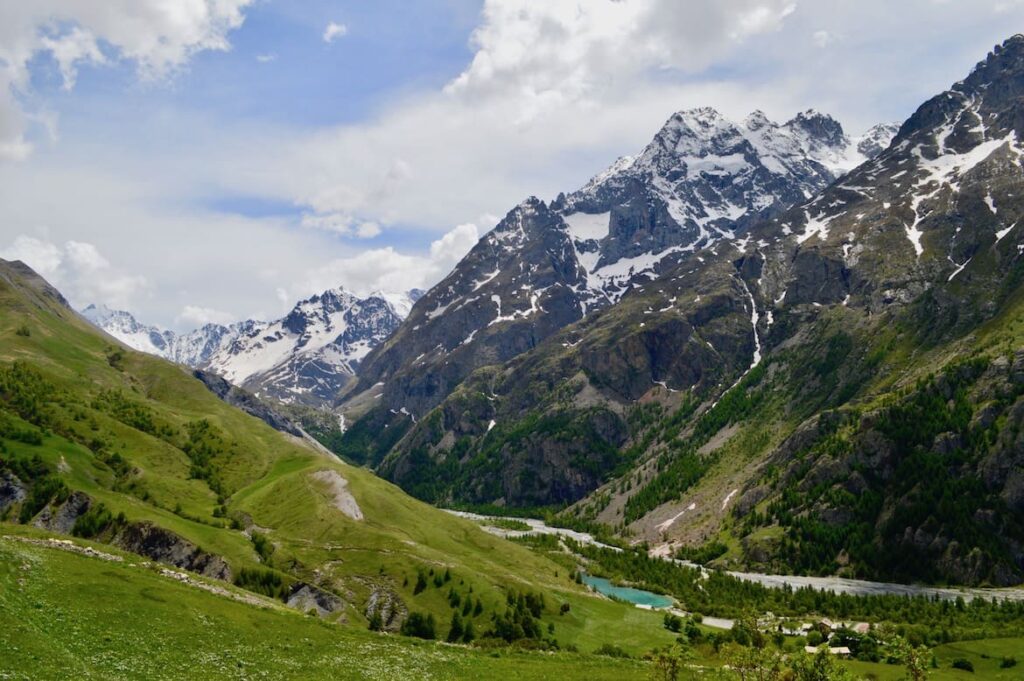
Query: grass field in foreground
[[67, 615]]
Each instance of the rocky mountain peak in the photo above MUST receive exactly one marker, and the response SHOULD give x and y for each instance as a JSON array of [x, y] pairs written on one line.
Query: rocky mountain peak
[[1001, 73], [756, 120], [820, 127]]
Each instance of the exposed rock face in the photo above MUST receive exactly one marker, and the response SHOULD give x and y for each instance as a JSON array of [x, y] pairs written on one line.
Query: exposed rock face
[[306, 597], [389, 605], [341, 497], [549, 426], [12, 491], [165, 546], [247, 402], [62, 518]]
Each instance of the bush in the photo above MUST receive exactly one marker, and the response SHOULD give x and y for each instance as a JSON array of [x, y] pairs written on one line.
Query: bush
[[421, 583], [263, 546], [94, 521], [456, 629], [420, 626], [266, 582], [610, 650], [43, 491], [1008, 662], [964, 664], [23, 331]]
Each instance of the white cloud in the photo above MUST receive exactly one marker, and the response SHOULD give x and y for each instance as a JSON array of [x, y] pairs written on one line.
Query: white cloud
[[334, 31], [266, 58], [78, 269], [194, 315], [368, 230], [158, 36], [822, 38], [389, 270], [42, 256], [553, 52], [71, 48], [450, 248], [341, 224]]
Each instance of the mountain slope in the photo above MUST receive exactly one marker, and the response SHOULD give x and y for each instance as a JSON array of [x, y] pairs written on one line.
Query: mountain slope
[[700, 181], [306, 357], [773, 393], [131, 450]]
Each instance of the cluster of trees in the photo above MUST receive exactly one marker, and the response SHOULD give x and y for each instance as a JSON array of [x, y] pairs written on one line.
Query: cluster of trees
[[464, 607], [131, 413], [26, 392], [419, 625], [266, 582], [702, 555], [203, 446], [96, 520], [919, 619]]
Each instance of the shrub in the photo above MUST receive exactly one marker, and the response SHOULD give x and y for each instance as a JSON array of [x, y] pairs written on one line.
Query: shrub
[[266, 582], [23, 331], [420, 626], [94, 521], [45, 489], [421, 583], [1008, 662], [964, 664], [263, 546], [456, 629], [610, 650]]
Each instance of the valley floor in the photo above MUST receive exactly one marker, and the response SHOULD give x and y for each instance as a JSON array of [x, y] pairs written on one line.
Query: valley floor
[[837, 585], [71, 609]]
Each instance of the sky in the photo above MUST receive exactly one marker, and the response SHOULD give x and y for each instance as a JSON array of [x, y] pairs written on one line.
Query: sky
[[199, 161]]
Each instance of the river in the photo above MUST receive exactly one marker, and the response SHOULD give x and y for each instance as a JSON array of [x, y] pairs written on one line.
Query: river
[[839, 585]]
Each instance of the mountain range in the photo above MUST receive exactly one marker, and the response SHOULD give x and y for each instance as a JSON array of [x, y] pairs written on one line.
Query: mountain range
[[306, 357], [701, 180], [750, 339], [773, 344]]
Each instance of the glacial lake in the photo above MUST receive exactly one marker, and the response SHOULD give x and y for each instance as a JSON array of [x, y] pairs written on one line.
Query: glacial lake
[[625, 593]]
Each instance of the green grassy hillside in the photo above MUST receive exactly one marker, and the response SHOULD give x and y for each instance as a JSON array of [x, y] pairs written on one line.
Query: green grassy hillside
[[148, 443], [69, 615]]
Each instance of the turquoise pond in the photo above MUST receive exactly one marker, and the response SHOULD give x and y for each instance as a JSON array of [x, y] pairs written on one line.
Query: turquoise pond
[[637, 596]]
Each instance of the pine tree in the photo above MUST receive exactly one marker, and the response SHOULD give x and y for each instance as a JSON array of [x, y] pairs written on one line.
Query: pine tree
[[455, 632]]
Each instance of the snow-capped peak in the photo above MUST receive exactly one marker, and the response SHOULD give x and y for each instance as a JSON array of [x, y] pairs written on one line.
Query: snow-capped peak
[[307, 356]]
